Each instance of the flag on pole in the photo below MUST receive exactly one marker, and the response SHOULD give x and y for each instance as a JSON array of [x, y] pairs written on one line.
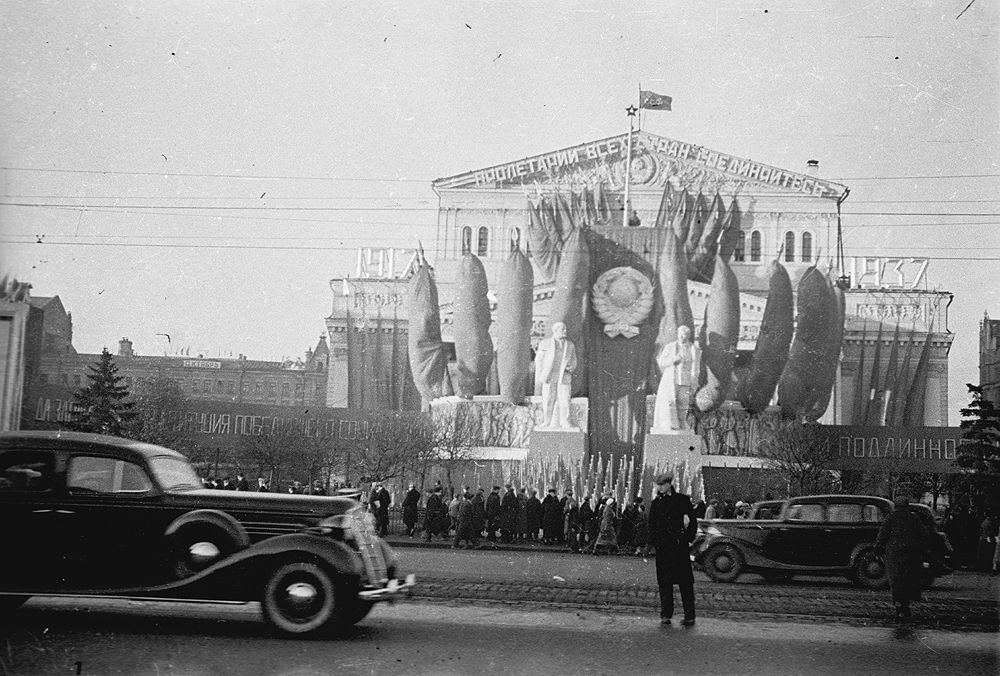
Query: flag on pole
[[653, 101]]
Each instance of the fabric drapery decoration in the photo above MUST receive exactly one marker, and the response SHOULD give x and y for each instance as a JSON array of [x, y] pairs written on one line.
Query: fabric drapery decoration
[[515, 294], [821, 388], [618, 368], [473, 345], [703, 249], [756, 388], [721, 332], [428, 360], [872, 381], [809, 344], [897, 408], [913, 411]]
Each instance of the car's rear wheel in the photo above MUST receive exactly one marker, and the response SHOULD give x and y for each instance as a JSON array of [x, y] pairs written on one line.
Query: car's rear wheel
[[870, 571], [724, 563], [299, 598], [196, 547]]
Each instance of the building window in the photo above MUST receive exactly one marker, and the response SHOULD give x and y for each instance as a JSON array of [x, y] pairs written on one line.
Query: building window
[[194, 385], [77, 380], [286, 389], [789, 247], [43, 378], [807, 247], [207, 385], [755, 246], [466, 243], [739, 246], [271, 389], [258, 388], [515, 237], [483, 243], [319, 388], [299, 388], [219, 386], [232, 387]]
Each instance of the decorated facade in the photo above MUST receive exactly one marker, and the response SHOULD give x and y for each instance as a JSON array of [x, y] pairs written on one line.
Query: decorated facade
[[738, 252]]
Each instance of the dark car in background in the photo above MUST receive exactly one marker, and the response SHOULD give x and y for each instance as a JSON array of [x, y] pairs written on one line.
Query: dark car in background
[[85, 514], [808, 535]]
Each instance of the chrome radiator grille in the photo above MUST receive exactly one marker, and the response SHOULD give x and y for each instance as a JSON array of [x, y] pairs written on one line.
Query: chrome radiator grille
[[368, 547]]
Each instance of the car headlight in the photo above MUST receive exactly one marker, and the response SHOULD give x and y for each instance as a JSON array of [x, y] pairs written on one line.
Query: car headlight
[[712, 531]]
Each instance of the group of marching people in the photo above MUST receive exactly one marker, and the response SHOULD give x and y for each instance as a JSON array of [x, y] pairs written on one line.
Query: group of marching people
[[594, 525]]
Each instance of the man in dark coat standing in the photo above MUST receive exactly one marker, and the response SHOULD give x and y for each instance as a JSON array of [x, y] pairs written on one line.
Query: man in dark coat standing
[[552, 517], [508, 514], [463, 528], [382, 500], [411, 503], [493, 514], [434, 510], [902, 539], [672, 528]]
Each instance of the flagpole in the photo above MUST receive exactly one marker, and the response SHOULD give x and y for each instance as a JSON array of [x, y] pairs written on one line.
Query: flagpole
[[631, 110]]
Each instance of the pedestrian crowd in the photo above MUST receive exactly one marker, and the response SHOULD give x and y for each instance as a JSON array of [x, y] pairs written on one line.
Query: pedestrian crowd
[[509, 515]]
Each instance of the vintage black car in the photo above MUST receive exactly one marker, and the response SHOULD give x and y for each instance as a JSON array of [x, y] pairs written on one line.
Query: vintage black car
[[809, 535], [85, 514]]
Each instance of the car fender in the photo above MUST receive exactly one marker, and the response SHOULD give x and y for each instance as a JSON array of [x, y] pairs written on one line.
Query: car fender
[[752, 556], [240, 576], [219, 519]]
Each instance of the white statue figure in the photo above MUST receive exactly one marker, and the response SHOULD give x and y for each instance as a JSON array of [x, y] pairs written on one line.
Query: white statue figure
[[680, 362], [555, 363]]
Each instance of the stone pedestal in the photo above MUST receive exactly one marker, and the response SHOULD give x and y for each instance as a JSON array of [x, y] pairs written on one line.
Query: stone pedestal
[[550, 444]]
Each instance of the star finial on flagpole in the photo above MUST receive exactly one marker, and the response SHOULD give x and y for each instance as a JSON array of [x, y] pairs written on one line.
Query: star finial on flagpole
[[631, 110]]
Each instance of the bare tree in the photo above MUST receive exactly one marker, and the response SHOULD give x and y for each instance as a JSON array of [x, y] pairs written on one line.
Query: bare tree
[[801, 455], [286, 454], [396, 442], [457, 431]]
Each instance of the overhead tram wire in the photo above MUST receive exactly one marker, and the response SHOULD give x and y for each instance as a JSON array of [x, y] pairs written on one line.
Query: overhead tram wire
[[29, 241], [192, 207], [257, 198], [273, 177]]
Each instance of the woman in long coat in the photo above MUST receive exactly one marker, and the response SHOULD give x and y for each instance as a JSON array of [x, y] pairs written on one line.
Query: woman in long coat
[[902, 539], [608, 535]]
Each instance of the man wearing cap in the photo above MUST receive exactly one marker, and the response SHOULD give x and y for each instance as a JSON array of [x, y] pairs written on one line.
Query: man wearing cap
[[672, 528]]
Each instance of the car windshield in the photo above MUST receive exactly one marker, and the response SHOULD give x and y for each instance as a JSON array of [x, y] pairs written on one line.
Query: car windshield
[[174, 473]]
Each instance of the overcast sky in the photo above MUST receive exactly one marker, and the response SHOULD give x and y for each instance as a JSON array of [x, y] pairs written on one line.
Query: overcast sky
[[149, 112]]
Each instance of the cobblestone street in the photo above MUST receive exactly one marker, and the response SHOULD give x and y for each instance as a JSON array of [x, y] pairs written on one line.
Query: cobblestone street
[[548, 578]]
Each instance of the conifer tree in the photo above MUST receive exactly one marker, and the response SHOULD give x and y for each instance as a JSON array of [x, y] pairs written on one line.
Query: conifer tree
[[980, 448], [103, 404]]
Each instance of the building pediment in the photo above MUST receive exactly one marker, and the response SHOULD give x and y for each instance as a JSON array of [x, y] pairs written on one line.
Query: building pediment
[[655, 160]]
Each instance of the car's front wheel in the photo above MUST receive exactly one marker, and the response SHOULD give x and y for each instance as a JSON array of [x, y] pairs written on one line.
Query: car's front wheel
[[724, 563], [299, 598], [870, 571]]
